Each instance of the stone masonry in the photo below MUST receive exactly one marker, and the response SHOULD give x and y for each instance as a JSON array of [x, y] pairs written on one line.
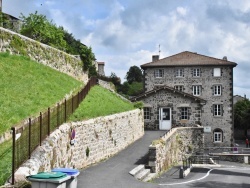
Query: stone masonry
[[95, 140], [173, 147], [183, 72], [15, 43]]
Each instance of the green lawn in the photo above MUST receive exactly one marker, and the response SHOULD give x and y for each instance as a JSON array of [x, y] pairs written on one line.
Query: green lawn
[[100, 102], [28, 87]]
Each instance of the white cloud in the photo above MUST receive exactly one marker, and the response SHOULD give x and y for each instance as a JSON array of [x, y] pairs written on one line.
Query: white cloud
[[128, 33]]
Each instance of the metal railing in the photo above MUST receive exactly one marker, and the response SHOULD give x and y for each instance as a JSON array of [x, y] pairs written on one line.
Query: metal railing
[[31, 134]]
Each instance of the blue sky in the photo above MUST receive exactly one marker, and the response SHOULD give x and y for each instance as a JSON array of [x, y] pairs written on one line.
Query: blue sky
[[123, 33]]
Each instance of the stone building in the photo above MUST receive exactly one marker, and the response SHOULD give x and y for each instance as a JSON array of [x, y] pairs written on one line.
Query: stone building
[[187, 89]]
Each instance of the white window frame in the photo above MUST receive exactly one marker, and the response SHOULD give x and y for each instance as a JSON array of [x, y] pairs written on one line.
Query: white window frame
[[196, 72], [159, 73], [197, 90], [179, 88], [184, 113], [179, 72], [217, 136], [147, 111], [217, 72], [217, 90], [217, 110]]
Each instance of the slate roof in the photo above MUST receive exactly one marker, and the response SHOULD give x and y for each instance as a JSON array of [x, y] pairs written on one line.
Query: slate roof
[[188, 59], [146, 94]]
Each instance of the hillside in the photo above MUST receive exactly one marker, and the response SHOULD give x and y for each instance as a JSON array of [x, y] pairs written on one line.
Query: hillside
[[28, 87], [100, 102]]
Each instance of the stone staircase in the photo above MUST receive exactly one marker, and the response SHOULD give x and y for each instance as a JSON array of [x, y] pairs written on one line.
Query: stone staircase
[[142, 174]]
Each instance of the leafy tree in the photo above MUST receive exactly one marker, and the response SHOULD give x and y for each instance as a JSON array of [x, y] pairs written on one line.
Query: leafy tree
[[242, 114], [37, 27], [134, 75], [115, 79], [92, 71], [87, 56]]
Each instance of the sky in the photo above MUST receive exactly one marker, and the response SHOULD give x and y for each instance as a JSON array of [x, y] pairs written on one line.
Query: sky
[[124, 33]]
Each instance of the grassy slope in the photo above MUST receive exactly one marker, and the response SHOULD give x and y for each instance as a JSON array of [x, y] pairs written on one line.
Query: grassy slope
[[28, 88], [100, 102]]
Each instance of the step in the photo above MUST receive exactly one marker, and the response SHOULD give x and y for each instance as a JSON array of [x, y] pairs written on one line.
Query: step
[[149, 177], [142, 174], [137, 170]]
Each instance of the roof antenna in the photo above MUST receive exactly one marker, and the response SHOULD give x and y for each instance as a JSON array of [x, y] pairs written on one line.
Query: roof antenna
[[159, 50]]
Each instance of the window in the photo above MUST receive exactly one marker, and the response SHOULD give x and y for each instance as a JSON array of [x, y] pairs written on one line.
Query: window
[[159, 73], [179, 73], [218, 135], [217, 90], [217, 72], [184, 113], [196, 72], [147, 113], [217, 109], [179, 88], [196, 90]]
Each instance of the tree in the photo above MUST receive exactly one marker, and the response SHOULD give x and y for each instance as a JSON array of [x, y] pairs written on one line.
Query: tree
[[37, 27], [134, 75], [242, 114], [87, 56]]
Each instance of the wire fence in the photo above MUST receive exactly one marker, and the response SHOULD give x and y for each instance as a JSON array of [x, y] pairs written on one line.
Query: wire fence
[[31, 134]]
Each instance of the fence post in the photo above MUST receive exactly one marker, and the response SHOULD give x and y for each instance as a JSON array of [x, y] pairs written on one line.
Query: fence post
[[72, 104], [57, 114], [29, 137], [13, 154], [78, 95], [65, 110], [41, 121], [48, 121]]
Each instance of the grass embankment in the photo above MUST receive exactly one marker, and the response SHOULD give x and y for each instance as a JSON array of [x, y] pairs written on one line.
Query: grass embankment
[[26, 89], [100, 102]]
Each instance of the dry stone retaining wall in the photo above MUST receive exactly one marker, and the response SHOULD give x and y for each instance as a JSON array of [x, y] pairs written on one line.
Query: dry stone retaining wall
[[95, 140], [174, 146], [15, 43]]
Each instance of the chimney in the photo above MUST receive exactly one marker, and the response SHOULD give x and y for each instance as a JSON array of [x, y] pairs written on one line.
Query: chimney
[[155, 58], [225, 58]]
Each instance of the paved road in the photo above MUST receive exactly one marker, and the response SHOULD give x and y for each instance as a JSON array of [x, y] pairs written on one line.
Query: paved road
[[113, 173]]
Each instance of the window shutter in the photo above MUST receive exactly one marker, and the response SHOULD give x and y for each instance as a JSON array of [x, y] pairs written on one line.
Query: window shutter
[[222, 110], [212, 72], [192, 72], [212, 110], [212, 90]]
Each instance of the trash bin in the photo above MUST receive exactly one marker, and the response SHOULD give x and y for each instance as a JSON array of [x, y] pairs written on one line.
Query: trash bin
[[72, 173], [49, 180]]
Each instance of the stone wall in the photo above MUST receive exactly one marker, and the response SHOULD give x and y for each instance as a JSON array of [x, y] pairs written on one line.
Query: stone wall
[[207, 81], [20, 45], [174, 146], [95, 140]]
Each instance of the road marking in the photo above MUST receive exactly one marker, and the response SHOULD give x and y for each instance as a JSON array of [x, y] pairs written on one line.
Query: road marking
[[191, 180], [229, 168]]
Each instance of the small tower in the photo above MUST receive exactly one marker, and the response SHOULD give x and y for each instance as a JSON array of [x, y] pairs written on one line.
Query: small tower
[[101, 68]]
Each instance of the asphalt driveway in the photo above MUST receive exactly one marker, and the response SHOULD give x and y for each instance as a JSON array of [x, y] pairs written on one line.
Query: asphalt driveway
[[114, 172]]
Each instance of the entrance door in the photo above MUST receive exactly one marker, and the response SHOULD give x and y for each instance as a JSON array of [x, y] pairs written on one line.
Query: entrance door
[[165, 118]]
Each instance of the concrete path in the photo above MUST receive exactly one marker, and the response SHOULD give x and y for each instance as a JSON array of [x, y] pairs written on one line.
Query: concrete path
[[114, 172]]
